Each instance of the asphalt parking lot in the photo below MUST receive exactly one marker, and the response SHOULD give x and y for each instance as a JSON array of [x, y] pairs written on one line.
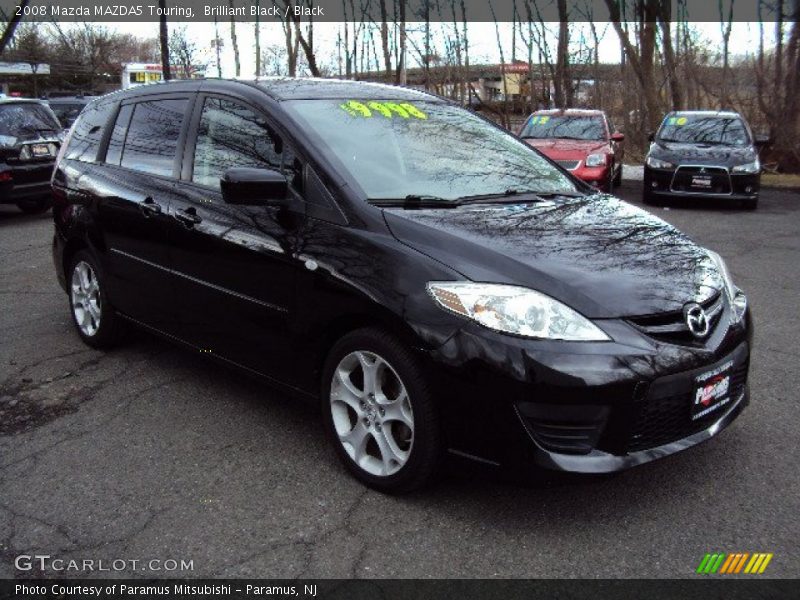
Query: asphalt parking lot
[[150, 452]]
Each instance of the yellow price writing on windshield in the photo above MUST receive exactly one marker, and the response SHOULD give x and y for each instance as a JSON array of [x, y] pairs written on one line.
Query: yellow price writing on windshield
[[389, 110]]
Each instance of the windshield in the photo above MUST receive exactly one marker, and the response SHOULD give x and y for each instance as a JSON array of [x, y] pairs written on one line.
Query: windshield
[[568, 127], [398, 149], [26, 121], [729, 131]]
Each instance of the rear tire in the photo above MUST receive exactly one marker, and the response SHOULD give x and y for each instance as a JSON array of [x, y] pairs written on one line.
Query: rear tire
[[35, 206], [750, 204], [94, 317], [379, 412], [618, 177]]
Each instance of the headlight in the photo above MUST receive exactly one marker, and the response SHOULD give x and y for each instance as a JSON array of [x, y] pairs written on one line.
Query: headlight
[[595, 160], [751, 167], [517, 310], [736, 297], [657, 163]]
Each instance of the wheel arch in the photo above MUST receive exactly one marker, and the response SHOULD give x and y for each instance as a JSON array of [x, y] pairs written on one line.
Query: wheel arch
[[335, 330]]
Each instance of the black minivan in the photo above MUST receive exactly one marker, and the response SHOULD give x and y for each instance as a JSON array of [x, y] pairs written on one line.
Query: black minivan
[[436, 284]]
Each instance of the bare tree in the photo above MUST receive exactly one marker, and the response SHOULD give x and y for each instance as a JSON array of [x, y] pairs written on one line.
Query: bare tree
[[183, 52], [11, 26], [234, 43]]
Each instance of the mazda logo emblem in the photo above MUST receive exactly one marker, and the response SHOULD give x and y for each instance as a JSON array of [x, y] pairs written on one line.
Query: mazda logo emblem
[[696, 319]]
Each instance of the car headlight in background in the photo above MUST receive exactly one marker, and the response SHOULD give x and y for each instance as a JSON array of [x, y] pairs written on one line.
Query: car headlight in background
[[657, 163], [751, 167], [595, 160], [516, 310], [736, 297]]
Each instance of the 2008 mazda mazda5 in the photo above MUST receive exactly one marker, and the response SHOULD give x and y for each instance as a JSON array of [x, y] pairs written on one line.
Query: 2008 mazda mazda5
[[437, 284]]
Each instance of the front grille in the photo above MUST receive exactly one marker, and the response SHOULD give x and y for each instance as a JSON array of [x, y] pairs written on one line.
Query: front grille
[[703, 180], [663, 420], [671, 327], [570, 165]]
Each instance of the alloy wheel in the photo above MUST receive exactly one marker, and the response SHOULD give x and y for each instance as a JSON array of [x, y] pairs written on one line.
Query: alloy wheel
[[86, 303], [372, 413]]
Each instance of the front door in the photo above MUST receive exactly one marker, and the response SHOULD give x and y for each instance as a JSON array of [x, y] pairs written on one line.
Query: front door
[[235, 266]]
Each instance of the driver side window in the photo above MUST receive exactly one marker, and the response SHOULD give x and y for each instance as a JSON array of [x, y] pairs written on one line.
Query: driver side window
[[233, 135]]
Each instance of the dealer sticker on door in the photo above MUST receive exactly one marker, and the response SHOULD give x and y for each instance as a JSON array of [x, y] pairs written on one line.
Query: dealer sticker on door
[[711, 391]]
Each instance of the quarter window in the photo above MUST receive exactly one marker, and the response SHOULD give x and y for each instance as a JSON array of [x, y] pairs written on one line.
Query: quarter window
[[152, 138], [88, 131], [233, 135]]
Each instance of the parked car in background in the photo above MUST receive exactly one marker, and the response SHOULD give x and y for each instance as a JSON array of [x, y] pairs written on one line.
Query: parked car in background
[[703, 154], [30, 137], [68, 108], [582, 141]]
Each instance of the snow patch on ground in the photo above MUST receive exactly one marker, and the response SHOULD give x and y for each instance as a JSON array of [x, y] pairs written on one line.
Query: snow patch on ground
[[633, 172]]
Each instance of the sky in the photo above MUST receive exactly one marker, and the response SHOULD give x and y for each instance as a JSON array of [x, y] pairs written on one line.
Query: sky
[[482, 38]]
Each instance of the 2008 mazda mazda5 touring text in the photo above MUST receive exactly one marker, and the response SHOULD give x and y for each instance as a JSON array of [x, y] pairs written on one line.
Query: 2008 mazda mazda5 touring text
[[436, 283]]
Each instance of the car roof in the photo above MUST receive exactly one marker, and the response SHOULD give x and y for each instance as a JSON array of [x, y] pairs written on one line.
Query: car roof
[[292, 88], [15, 100], [70, 99], [705, 113], [587, 112]]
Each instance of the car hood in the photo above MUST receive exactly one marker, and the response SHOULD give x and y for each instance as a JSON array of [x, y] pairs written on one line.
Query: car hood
[[702, 154], [557, 148], [597, 254]]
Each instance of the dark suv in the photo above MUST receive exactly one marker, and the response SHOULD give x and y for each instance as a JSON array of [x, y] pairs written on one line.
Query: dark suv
[[703, 154], [30, 137], [353, 244]]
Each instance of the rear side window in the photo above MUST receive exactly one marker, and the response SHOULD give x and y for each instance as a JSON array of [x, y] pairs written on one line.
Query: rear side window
[[152, 138], [88, 131]]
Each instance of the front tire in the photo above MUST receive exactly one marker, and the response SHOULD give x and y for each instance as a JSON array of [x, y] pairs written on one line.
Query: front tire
[[379, 412], [35, 206], [92, 314]]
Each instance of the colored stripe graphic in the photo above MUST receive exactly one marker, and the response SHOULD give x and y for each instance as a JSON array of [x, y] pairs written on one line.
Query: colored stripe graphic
[[741, 562], [732, 558], [735, 563], [703, 563], [715, 567], [764, 564]]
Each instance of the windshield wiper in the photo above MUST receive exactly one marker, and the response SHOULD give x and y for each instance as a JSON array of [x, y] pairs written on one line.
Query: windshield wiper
[[413, 201], [511, 196]]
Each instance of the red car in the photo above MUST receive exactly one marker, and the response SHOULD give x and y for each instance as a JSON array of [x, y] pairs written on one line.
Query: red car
[[582, 141]]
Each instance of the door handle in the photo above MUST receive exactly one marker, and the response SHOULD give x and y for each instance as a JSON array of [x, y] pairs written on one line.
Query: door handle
[[188, 216], [149, 207]]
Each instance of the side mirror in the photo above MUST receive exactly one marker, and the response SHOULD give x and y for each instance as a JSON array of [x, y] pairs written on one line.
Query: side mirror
[[651, 136], [617, 136], [254, 187]]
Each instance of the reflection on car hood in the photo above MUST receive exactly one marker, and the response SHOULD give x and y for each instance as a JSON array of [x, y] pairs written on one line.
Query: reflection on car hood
[[563, 148], [598, 254], [702, 154]]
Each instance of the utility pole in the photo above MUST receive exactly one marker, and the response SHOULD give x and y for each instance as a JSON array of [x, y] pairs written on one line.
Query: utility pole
[[164, 36]]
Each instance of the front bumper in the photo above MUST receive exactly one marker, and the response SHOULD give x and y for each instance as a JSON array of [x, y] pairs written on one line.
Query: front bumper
[[598, 177], [664, 183], [582, 408]]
